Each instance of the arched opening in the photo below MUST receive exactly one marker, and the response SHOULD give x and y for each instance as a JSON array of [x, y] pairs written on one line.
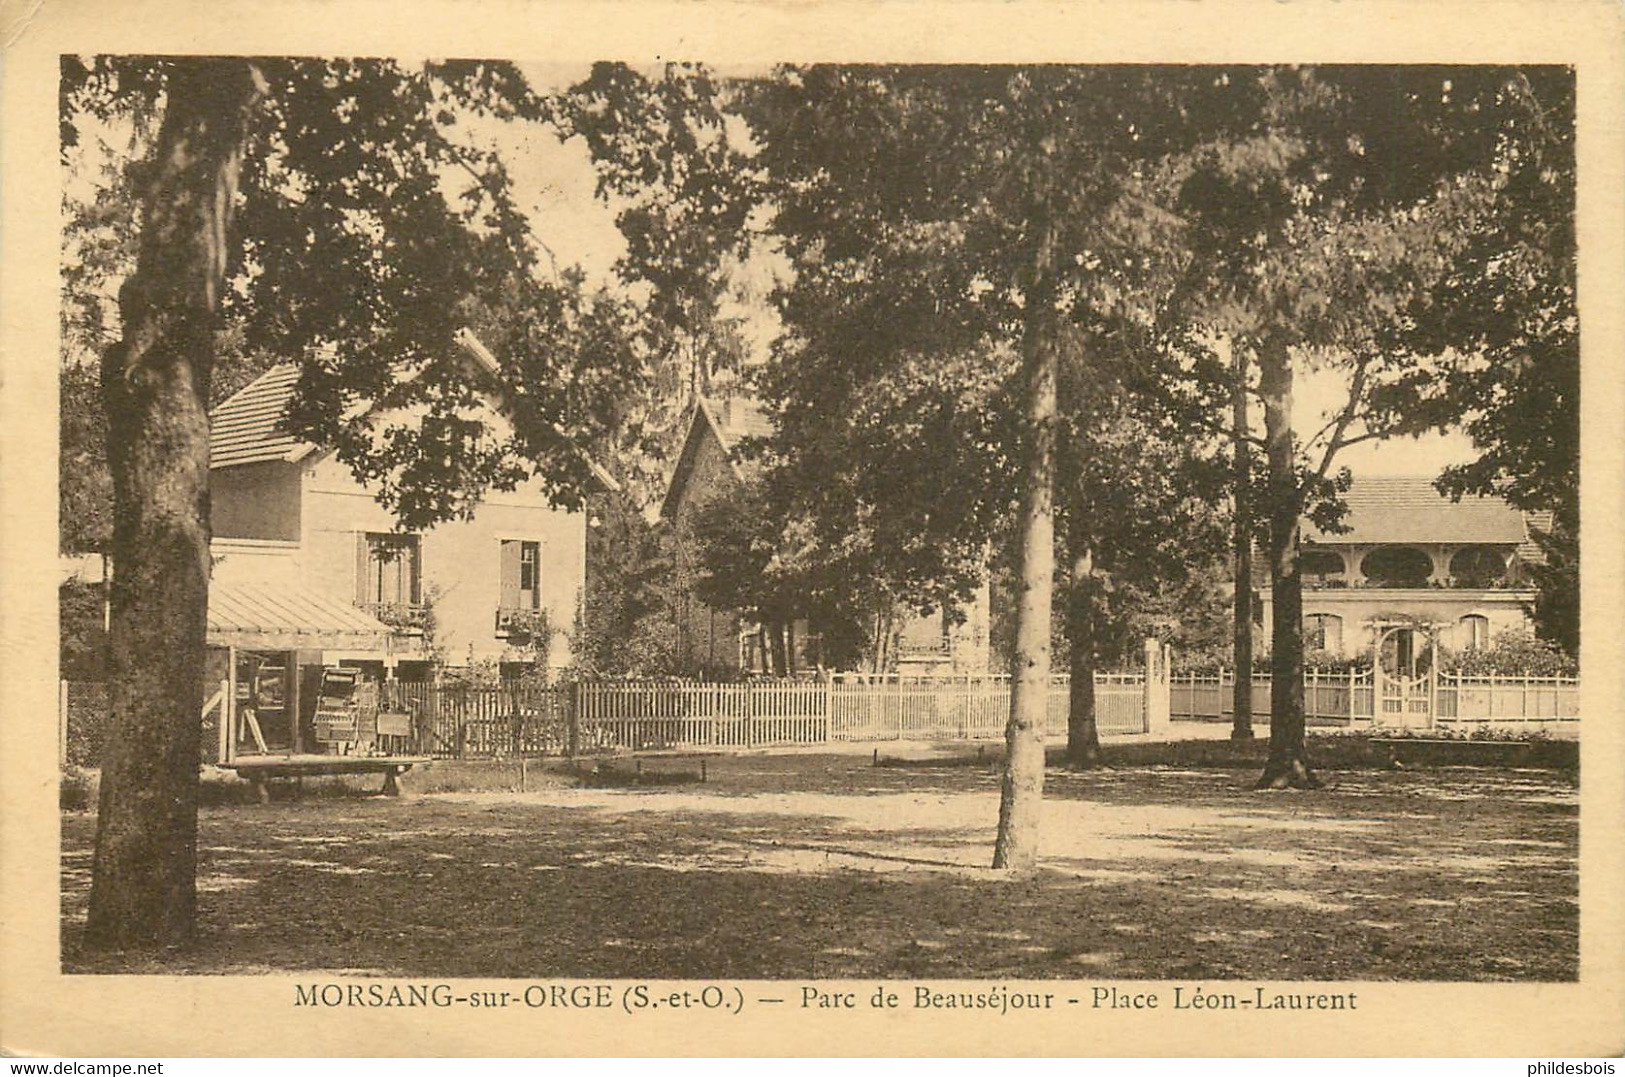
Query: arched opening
[[1322, 568], [1323, 632], [1405, 652], [1478, 566], [1397, 566], [1473, 631]]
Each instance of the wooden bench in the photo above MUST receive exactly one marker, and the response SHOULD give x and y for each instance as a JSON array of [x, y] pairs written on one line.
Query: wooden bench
[[261, 769]]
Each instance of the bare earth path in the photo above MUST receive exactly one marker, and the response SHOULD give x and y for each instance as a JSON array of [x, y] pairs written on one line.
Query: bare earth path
[[821, 866]]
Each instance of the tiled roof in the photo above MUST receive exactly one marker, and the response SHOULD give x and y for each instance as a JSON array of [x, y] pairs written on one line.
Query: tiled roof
[[1411, 510], [732, 419], [244, 429], [1530, 552]]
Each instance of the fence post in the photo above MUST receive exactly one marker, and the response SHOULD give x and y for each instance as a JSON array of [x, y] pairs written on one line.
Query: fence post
[[829, 708], [1157, 702], [572, 719], [899, 686]]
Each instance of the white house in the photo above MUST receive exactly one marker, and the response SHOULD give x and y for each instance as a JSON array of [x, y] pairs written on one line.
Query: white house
[[1456, 570], [309, 569]]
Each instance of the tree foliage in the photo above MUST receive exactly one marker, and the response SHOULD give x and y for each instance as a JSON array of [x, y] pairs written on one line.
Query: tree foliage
[[664, 146], [626, 624], [376, 220], [330, 212]]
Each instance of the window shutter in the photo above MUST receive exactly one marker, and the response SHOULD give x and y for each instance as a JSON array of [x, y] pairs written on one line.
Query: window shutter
[[536, 581], [414, 551], [508, 595], [363, 565]]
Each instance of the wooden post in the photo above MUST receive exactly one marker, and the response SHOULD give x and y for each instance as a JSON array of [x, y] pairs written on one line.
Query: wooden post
[[222, 725], [291, 703], [829, 707], [901, 706], [572, 719], [228, 718]]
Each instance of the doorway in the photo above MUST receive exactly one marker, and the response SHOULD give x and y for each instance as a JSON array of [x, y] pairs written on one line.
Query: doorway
[[1406, 678]]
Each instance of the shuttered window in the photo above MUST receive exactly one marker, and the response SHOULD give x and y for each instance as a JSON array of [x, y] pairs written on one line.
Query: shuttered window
[[521, 587], [388, 570], [1473, 630]]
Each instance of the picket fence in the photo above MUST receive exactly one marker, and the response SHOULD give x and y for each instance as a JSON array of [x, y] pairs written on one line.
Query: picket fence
[[628, 715], [1348, 698]]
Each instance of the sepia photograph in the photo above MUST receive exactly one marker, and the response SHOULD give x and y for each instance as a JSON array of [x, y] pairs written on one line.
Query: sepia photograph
[[970, 540]]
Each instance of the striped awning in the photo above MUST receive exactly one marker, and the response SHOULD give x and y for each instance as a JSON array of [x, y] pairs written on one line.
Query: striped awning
[[285, 618]]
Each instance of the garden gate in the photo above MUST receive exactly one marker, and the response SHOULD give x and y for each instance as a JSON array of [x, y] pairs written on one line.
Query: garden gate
[[1406, 677]]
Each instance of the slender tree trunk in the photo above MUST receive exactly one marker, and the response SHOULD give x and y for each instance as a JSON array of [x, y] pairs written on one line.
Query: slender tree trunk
[[1242, 719], [1082, 727], [1286, 765], [155, 385], [1022, 792]]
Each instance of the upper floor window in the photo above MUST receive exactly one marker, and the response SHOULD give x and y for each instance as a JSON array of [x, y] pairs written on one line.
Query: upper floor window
[[1397, 566], [388, 570], [521, 583]]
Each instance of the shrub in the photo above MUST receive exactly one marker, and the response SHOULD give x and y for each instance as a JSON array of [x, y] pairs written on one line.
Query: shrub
[[1516, 653]]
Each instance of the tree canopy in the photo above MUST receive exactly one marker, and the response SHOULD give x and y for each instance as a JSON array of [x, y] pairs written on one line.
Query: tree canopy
[[328, 211]]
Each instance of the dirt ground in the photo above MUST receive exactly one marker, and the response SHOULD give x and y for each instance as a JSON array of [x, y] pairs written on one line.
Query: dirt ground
[[804, 866]]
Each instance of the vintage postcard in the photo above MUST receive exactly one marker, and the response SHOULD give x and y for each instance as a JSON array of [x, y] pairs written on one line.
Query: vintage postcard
[[811, 529]]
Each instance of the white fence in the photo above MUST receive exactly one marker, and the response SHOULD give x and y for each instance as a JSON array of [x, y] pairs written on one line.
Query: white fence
[[1510, 701], [865, 707], [1348, 698], [676, 715]]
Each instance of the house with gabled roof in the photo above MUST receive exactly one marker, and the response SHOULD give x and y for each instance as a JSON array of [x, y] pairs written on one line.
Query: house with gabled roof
[[708, 464], [311, 571], [1408, 562]]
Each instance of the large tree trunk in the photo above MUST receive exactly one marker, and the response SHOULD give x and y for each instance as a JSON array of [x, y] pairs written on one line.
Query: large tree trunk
[[1241, 727], [1082, 728], [1286, 765], [1022, 792], [155, 383]]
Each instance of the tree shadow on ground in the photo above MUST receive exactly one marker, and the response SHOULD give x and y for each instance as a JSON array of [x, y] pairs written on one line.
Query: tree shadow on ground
[[1147, 874]]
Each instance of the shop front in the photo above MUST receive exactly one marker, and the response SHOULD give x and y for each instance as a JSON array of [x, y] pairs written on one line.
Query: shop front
[[272, 643]]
